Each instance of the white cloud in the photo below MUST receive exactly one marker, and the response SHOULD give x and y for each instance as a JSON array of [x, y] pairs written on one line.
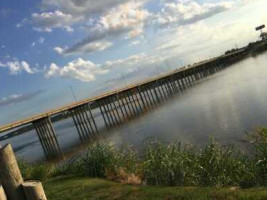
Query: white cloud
[[18, 98], [2, 64], [59, 50], [127, 18], [135, 32], [77, 69], [134, 43], [39, 41], [188, 12], [132, 61], [84, 8], [47, 21], [91, 47], [66, 13], [10, 99], [26, 67], [85, 70], [16, 67], [106, 19], [202, 40]]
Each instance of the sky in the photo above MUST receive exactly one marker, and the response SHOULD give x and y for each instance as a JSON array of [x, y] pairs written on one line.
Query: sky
[[53, 52]]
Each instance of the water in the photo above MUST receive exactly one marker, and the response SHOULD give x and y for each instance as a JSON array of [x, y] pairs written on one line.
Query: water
[[225, 106]]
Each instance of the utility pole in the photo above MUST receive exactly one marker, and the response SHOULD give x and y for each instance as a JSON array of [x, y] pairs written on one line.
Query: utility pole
[[124, 80], [73, 94]]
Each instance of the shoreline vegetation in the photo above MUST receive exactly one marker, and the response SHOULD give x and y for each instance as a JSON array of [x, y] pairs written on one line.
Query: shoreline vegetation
[[162, 165]]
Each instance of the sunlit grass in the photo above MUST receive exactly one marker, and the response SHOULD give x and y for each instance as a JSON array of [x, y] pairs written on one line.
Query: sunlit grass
[[88, 188]]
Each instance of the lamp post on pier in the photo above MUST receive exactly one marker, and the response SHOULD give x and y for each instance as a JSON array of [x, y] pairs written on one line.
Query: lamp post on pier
[[263, 35]]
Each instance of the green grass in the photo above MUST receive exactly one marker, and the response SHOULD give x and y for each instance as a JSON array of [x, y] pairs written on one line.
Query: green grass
[[86, 189]]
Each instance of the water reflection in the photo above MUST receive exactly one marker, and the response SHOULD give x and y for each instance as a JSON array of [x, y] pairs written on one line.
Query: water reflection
[[225, 106]]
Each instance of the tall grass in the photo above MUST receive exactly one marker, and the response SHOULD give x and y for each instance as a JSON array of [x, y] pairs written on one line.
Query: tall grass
[[102, 160], [220, 166], [168, 164], [259, 142], [40, 172]]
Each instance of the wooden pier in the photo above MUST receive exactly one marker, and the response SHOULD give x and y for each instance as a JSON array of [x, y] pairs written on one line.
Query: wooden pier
[[119, 106]]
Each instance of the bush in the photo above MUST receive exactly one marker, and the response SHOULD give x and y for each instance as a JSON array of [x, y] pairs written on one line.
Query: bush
[[259, 142], [221, 166], [169, 165], [100, 160], [39, 172]]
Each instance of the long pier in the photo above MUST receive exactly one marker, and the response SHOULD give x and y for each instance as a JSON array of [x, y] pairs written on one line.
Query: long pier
[[119, 106]]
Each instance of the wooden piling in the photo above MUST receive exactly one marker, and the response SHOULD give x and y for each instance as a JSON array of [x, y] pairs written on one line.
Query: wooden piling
[[84, 123], [2, 193], [166, 90], [148, 97], [78, 128], [173, 83], [126, 104], [145, 106], [163, 92], [122, 107], [154, 100], [110, 121], [135, 106], [34, 190], [47, 137], [84, 110], [135, 92], [115, 111], [130, 103], [10, 175], [112, 112], [92, 117], [156, 94], [103, 114], [145, 97], [81, 125]]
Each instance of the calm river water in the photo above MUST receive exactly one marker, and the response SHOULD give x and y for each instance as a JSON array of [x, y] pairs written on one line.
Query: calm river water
[[225, 106]]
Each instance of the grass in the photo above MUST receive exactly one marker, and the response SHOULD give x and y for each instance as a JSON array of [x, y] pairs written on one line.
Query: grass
[[166, 165], [87, 188]]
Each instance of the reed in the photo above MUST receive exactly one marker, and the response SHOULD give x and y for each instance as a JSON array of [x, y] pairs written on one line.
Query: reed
[[167, 164]]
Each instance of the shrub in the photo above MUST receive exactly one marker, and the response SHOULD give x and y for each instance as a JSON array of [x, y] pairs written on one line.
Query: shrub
[[221, 166], [169, 165], [100, 160], [259, 142], [39, 172]]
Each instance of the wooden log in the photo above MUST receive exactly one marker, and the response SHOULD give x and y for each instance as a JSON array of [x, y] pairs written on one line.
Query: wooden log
[[34, 190], [2, 193], [10, 175]]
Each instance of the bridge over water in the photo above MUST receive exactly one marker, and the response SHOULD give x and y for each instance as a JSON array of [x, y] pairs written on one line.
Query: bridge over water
[[119, 106]]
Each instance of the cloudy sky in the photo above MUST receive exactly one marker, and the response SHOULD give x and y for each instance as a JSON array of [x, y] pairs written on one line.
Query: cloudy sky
[[50, 48]]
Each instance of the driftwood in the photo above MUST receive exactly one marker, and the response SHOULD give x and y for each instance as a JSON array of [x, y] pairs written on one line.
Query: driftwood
[[34, 190]]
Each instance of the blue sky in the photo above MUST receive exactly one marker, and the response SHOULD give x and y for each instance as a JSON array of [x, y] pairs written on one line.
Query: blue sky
[[48, 47]]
